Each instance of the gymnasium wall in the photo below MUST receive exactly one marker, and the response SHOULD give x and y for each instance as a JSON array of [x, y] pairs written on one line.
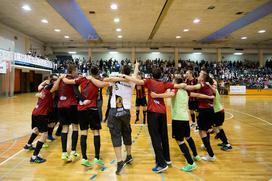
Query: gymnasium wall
[[21, 41]]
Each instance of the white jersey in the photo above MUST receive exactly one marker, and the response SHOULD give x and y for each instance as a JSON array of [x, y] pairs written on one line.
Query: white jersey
[[121, 94]]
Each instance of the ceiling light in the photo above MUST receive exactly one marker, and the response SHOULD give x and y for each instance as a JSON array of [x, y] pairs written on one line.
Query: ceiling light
[[178, 37], [57, 30], [156, 52], [238, 53], [261, 31], [196, 20], [116, 20], [66, 37], [197, 53], [120, 36], [114, 6], [118, 29], [114, 52], [244, 38], [72, 52], [44, 21], [26, 7], [186, 30]]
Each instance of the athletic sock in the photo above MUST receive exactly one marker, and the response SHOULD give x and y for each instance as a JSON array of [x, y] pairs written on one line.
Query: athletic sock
[[183, 147], [64, 141], [137, 115], [144, 112], [74, 140], [223, 138], [50, 131], [83, 144], [32, 138], [97, 146], [192, 146], [58, 132], [38, 148], [206, 142], [193, 117]]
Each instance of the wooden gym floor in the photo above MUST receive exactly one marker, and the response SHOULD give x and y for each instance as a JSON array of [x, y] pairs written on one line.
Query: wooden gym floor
[[248, 125]]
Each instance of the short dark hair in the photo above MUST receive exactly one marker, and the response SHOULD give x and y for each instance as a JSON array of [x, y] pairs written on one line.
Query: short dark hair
[[156, 73], [126, 70], [178, 80], [94, 70], [71, 68]]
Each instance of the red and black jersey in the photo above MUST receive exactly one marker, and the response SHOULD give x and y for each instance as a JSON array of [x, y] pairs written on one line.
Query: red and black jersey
[[140, 92], [191, 82], [205, 103], [67, 96], [45, 104], [89, 91]]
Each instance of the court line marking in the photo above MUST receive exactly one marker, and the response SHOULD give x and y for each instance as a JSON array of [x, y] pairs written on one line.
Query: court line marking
[[9, 148], [231, 116], [16, 166], [11, 157], [252, 116]]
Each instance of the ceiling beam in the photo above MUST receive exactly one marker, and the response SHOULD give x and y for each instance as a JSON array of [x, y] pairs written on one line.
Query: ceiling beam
[[72, 13], [251, 17], [162, 15]]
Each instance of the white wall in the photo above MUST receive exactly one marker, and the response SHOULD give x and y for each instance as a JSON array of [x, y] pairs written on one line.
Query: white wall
[[267, 57], [198, 57], [20, 44], [250, 57], [154, 55]]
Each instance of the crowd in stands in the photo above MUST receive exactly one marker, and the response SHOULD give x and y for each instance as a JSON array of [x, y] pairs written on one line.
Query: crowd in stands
[[226, 73]]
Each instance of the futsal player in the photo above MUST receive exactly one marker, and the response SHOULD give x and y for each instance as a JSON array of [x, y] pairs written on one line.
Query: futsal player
[[40, 118], [140, 101], [88, 115]]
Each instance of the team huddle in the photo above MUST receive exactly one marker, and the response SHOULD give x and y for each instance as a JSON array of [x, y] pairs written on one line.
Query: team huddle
[[73, 100]]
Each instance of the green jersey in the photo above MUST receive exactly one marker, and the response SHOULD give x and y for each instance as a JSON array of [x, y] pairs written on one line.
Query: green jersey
[[217, 106], [179, 103]]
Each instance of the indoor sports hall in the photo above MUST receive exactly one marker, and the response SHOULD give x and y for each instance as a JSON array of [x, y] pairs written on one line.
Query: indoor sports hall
[[161, 90]]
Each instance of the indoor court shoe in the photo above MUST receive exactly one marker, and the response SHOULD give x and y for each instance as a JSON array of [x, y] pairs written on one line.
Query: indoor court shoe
[[159, 169], [221, 144], [196, 158], [208, 158], [86, 163], [99, 162], [65, 157], [73, 156], [189, 168], [28, 147], [37, 159], [129, 159], [45, 145], [169, 162], [50, 138], [226, 147], [120, 166]]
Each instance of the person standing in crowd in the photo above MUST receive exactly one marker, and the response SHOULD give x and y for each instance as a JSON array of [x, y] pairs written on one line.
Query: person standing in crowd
[[140, 101], [40, 118], [190, 80], [88, 115], [67, 106]]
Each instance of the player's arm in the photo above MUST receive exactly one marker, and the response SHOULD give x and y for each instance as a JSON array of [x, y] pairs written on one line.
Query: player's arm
[[56, 84], [114, 79], [200, 96], [42, 85], [133, 79], [136, 69], [39, 95], [98, 83], [162, 95], [69, 81], [212, 87]]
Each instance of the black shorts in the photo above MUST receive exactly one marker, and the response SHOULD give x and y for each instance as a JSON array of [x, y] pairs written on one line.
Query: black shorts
[[53, 116], [89, 119], [40, 122], [205, 119], [218, 118], [140, 102], [119, 125], [193, 105], [180, 129], [68, 115]]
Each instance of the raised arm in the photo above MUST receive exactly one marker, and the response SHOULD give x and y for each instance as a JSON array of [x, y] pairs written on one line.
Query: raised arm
[[200, 96], [56, 84], [69, 81], [136, 69], [162, 95], [212, 87], [98, 83], [41, 86]]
